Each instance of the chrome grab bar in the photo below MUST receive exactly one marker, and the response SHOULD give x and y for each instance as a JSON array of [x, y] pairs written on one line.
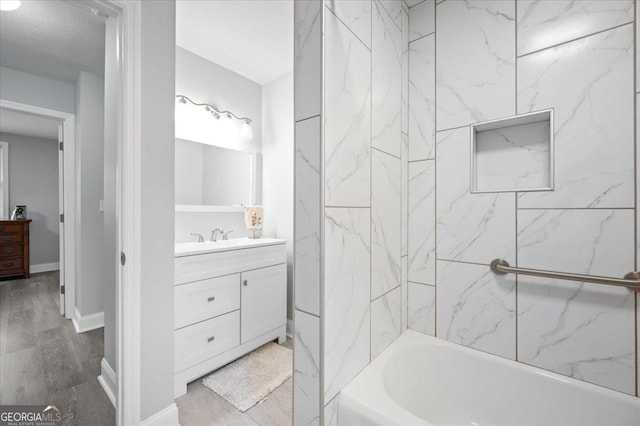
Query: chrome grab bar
[[631, 280]]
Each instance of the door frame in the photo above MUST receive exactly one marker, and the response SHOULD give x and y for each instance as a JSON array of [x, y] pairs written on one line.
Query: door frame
[[68, 239]]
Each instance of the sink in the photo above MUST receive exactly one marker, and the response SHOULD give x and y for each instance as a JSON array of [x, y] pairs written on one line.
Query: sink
[[191, 248]]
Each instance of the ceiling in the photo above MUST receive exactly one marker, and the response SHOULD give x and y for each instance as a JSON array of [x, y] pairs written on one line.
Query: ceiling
[[53, 39], [24, 124], [253, 38]]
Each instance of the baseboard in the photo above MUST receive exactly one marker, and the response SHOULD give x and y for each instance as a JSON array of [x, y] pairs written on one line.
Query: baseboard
[[44, 267], [87, 322], [166, 417], [107, 380], [290, 329]]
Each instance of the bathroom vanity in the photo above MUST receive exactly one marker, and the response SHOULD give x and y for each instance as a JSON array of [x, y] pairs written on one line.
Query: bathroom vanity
[[230, 298]]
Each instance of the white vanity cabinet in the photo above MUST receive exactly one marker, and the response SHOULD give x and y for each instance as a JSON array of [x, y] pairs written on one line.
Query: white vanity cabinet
[[230, 298]]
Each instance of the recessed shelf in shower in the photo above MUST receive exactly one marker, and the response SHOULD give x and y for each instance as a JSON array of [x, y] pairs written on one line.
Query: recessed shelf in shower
[[513, 154]]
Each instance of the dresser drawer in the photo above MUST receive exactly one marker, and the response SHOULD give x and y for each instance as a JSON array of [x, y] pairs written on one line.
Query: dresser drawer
[[10, 264], [11, 229], [201, 300], [10, 239], [206, 339], [10, 251]]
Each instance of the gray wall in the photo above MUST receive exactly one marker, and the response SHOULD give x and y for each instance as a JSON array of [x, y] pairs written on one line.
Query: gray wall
[[33, 181], [157, 91], [110, 129], [277, 157], [29, 89], [90, 150]]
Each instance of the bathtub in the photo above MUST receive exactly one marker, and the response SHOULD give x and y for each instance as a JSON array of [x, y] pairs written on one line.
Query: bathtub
[[421, 380]]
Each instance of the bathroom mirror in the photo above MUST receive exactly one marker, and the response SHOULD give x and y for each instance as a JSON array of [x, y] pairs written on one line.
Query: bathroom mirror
[[212, 178]]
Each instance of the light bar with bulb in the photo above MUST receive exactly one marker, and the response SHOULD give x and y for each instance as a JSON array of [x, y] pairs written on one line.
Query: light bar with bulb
[[9, 5], [245, 131]]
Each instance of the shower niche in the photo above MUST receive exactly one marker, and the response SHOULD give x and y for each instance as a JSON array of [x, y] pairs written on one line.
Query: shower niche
[[513, 154]]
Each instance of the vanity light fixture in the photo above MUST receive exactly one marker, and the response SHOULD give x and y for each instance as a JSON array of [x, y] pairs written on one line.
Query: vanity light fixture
[[9, 5], [226, 116]]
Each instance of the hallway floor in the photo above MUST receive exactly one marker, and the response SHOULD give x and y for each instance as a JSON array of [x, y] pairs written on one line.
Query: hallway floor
[[43, 360]]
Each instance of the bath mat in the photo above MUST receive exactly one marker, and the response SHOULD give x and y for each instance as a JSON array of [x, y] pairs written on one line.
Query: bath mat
[[247, 381]]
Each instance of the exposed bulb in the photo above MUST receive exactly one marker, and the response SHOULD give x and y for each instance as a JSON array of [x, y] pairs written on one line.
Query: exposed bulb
[[9, 5], [245, 131]]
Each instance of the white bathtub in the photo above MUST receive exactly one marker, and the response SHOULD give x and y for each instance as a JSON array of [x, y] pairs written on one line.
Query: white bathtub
[[421, 380]]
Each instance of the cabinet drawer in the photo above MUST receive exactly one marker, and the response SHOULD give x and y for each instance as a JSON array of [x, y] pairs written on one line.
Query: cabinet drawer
[[206, 299], [206, 339], [10, 264], [11, 239], [11, 229], [10, 251]]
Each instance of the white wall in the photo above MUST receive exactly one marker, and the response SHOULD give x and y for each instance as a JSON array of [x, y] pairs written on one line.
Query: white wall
[[206, 82], [277, 172], [33, 181], [157, 91], [89, 191], [33, 90]]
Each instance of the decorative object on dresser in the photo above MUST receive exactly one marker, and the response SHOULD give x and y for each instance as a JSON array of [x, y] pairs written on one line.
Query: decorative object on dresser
[[14, 248], [253, 219]]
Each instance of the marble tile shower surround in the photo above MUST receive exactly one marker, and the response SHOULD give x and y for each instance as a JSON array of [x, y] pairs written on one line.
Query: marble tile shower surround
[[491, 60]]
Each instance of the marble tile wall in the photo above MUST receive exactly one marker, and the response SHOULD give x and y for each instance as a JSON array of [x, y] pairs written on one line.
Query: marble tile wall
[[307, 374], [490, 59]]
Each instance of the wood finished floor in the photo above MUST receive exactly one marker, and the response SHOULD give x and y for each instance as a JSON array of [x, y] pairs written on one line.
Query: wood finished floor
[[201, 406], [43, 360]]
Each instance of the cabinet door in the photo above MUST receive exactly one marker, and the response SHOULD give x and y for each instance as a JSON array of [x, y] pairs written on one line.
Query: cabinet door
[[264, 301]]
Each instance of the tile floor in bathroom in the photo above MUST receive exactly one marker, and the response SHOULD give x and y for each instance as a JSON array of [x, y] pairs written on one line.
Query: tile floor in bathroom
[[201, 406]]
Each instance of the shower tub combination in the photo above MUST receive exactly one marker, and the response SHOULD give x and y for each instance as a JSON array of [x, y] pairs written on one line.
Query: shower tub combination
[[421, 380]]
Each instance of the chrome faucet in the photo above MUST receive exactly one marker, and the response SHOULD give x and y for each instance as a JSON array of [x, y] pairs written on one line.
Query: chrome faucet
[[214, 234], [225, 236], [200, 237]]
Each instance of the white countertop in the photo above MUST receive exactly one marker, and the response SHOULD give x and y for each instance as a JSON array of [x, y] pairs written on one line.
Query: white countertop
[[192, 248]]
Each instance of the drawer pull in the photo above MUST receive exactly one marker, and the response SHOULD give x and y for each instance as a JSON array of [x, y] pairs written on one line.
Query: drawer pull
[[211, 339], [7, 264], [7, 251], [245, 283], [7, 239], [211, 299]]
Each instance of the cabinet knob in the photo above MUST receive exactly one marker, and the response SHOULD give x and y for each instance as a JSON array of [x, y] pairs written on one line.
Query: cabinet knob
[[211, 299], [245, 283], [211, 339]]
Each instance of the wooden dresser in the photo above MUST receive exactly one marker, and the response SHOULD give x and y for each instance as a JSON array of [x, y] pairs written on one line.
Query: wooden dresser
[[14, 248]]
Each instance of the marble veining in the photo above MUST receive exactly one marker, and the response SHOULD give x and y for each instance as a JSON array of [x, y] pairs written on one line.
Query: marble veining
[[347, 121], [405, 293], [386, 224], [394, 8], [559, 320], [423, 20], [404, 209], [542, 24], [481, 33], [422, 222], [331, 412], [347, 296], [307, 216], [476, 308], [470, 227], [422, 308], [308, 57], [404, 85], [584, 241], [386, 87], [593, 118], [306, 370], [356, 15], [422, 98], [386, 321], [514, 157]]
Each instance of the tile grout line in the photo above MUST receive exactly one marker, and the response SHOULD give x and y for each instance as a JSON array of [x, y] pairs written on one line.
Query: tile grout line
[[435, 169]]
